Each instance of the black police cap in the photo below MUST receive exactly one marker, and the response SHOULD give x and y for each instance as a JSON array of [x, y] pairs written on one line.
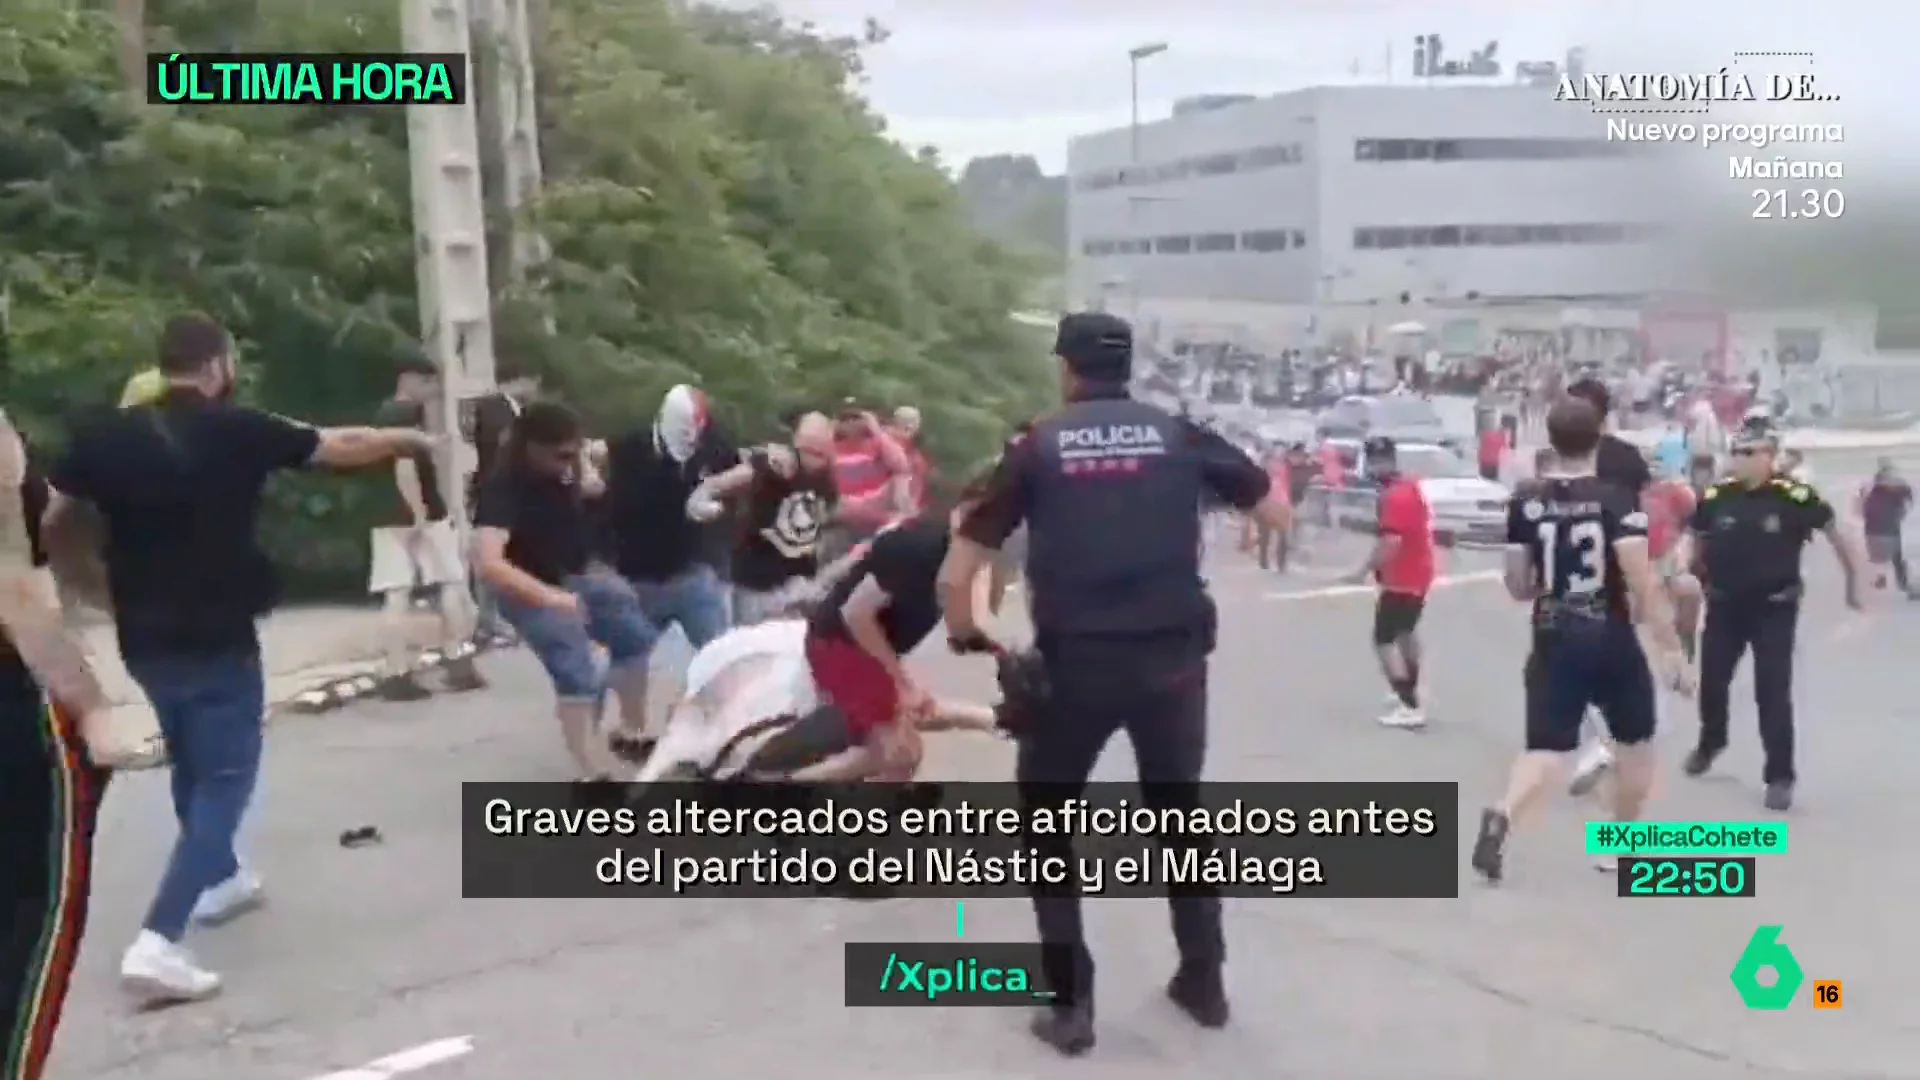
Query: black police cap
[[1095, 345]]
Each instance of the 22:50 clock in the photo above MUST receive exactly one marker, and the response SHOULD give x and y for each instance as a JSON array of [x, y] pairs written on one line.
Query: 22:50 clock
[[1686, 877]]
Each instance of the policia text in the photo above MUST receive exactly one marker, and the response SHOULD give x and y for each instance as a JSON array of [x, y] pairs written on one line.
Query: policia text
[[960, 840]]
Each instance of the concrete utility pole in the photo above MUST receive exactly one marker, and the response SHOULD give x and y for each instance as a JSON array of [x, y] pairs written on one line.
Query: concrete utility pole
[[450, 243], [514, 111]]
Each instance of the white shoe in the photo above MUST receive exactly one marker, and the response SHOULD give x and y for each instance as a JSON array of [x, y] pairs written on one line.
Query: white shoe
[[230, 899], [162, 972], [1606, 864], [1587, 771], [1400, 716]]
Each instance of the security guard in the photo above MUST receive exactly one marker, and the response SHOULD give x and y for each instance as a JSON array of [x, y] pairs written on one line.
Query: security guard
[[1110, 490], [1749, 530]]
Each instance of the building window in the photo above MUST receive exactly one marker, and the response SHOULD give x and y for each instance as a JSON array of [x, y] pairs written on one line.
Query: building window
[[1212, 242], [1365, 239], [1299, 238], [1391, 238], [1173, 245], [1264, 240], [1444, 236], [1366, 150], [1267, 157], [1217, 164]]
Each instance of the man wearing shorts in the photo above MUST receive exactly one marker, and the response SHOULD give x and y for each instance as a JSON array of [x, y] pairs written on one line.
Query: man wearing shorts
[[1404, 565], [876, 614], [535, 542], [1577, 551]]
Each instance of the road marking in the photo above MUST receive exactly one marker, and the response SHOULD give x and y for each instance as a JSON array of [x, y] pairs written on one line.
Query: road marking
[[413, 1059], [1451, 580]]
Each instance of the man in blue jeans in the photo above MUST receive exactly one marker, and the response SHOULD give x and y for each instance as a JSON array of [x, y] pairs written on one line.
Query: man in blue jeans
[[535, 545], [177, 484], [654, 544]]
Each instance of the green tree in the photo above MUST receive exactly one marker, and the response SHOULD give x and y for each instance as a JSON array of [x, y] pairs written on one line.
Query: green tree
[[723, 209]]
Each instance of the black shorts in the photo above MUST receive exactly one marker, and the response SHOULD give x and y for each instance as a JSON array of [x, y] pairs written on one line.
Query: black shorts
[[1600, 666], [1395, 615]]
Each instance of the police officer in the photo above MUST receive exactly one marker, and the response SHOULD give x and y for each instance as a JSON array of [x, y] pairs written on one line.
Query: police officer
[[1749, 530], [1110, 490]]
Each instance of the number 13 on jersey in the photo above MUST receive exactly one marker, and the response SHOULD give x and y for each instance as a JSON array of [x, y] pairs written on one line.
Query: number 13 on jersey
[[1576, 549]]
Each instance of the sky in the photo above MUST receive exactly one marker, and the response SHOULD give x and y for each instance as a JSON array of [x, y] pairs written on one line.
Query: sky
[[975, 77]]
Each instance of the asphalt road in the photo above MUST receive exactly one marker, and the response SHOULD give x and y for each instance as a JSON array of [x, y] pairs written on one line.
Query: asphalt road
[[371, 952]]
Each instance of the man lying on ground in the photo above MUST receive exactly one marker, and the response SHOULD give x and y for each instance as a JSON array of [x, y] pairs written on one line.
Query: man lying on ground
[[828, 698]]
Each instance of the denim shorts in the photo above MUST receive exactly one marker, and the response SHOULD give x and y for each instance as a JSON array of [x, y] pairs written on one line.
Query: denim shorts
[[564, 644]]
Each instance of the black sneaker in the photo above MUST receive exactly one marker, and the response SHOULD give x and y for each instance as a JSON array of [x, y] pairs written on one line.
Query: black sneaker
[[632, 749], [1699, 761], [1201, 993], [402, 688], [1779, 796], [1066, 1028], [1489, 848]]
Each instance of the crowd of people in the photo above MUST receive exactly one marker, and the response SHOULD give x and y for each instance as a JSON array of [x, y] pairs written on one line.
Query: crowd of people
[[585, 550], [836, 545]]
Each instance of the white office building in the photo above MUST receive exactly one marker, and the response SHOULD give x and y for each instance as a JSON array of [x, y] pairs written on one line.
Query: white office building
[[1356, 195]]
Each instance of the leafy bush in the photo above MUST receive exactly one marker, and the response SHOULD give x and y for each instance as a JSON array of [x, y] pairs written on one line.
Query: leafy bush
[[722, 207]]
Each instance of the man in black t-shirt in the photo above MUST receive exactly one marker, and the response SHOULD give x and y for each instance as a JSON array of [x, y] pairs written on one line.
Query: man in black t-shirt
[[1622, 464], [534, 540], [654, 544], [417, 548], [493, 418], [178, 486], [872, 617], [785, 495], [1577, 551]]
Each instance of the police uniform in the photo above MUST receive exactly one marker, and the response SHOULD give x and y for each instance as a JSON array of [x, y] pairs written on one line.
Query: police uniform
[[1110, 490], [1750, 539]]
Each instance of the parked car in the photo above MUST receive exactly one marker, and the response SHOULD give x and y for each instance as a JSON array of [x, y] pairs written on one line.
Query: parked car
[[1399, 417], [1467, 509]]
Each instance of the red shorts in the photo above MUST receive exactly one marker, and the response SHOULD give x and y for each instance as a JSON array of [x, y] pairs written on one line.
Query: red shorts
[[854, 682]]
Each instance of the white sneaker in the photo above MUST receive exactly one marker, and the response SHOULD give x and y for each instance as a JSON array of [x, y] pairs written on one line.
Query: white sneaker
[[1401, 716], [230, 899], [1606, 864], [162, 972], [1587, 771]]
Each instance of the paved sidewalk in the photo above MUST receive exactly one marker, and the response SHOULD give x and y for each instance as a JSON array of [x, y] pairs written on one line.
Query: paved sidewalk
[[302, 647]]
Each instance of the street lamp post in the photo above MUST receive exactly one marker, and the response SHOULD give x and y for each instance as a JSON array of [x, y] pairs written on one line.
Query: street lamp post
[[1134, 56]]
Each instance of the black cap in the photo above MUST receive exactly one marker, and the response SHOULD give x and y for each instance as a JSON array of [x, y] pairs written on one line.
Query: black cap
[[1096, 345]]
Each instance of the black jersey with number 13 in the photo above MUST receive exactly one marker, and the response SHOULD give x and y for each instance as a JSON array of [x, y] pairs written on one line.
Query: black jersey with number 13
[[1569, 525]]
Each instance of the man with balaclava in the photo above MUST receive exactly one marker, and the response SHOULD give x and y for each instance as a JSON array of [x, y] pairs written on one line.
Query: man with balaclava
[[653, 543]]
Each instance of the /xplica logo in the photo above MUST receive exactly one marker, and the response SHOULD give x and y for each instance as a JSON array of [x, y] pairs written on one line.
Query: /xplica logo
[[1764, 950]]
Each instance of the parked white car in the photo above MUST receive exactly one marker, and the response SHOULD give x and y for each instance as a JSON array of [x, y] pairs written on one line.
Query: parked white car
[[1467, 508]]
